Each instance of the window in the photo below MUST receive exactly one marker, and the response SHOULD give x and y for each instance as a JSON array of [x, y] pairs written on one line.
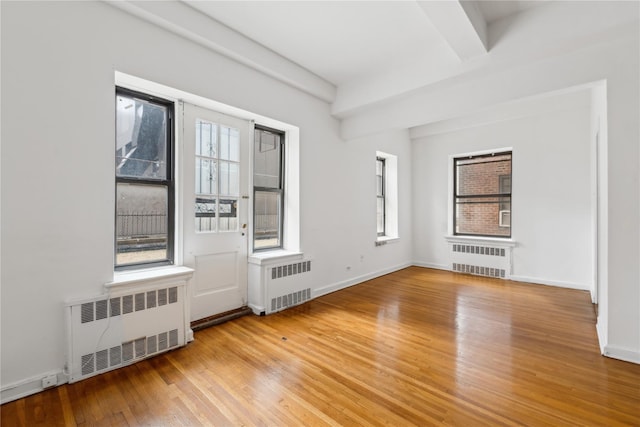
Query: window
[[482, 195], [144, 180], [217, 177], [268, 188], [380, 196], [386, 197]]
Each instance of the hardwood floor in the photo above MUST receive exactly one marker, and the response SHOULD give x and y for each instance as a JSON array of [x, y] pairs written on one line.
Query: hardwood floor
[[416, 347]]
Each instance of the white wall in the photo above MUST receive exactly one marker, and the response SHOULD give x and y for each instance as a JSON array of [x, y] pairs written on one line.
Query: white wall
[[612, 57], [58, 63], [551, 202]]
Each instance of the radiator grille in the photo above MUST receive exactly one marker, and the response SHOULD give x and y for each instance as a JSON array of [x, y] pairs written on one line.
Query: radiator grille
[[98, 310], [479, 250], [290, 269], [108, 332], [479, 270], [119, 355], [289, 300], [482, 259]]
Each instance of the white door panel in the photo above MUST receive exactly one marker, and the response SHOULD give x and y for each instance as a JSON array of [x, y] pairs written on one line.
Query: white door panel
[[215, 179]]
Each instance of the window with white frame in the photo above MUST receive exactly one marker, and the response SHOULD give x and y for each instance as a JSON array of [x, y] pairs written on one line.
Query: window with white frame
[[380, 196], [386, 196], [144, 177]]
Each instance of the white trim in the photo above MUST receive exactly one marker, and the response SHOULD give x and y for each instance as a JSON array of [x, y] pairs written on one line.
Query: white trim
[[137, 277], [621, 354], [29, 386], [356, 280], [387, 239], [549, 282], [602, 335], [174, 94], [495, 241], [431, 265], [274, 257], [391, 217]]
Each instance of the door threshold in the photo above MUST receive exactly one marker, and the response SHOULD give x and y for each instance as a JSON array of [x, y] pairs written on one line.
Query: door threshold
[[217, 319]]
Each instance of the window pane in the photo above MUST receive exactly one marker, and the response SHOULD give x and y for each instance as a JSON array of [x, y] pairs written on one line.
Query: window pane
[[267, 155], [206, 176], [141, 140], [380, 215], [206, 138], [228, 215], [477, 176], [229, 178], [224, 142], [234, 145], [205, 214], [482, 216], [267, 219], [141, 223]]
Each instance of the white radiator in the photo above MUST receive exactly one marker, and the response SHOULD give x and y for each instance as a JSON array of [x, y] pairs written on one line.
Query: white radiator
[[275, 285], [111, 331], [490, 259]]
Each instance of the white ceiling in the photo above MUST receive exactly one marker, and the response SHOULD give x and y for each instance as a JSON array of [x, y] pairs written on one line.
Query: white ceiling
[[342, 41], [493, 10], [337, 41], [365, 56]]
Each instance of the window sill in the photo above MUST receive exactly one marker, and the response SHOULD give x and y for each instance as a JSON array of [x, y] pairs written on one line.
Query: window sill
[[274, 257], [383, 240], [140, 277], [496, 241]]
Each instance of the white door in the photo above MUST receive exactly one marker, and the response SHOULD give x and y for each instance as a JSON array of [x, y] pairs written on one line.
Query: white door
[[216, 177]]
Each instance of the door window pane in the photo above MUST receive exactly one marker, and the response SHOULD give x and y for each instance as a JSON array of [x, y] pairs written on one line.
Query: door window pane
[[217, 174], [228, 215], [206, 176], [234, 145], [229, 178], [205, 214], [206, 138]]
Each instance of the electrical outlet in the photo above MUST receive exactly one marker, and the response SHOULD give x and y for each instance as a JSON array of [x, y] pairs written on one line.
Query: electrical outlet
[[50, 381]]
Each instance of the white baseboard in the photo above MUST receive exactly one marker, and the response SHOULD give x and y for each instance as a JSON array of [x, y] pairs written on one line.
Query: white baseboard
[[557, 283], [431, 265], [622, 354], [354, 281], [602, 336], [29, 386]]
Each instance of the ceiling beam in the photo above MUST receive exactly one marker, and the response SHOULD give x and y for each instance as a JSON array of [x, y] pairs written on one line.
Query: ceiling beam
[[181, 19], [460, 23]]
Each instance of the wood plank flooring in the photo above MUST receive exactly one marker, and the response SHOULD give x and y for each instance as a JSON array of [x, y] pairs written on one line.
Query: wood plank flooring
[[416, 347]]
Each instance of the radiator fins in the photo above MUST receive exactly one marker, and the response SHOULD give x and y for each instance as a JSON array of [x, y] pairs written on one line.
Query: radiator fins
[[127, 352], [479, 270], [289, 300], [290, 269]]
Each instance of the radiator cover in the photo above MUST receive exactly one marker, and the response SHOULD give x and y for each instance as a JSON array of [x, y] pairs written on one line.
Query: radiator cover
[[278, 283], [489, 258], [125, 326]]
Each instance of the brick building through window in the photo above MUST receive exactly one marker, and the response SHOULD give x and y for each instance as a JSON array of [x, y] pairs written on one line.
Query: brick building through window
[[482, 195]]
